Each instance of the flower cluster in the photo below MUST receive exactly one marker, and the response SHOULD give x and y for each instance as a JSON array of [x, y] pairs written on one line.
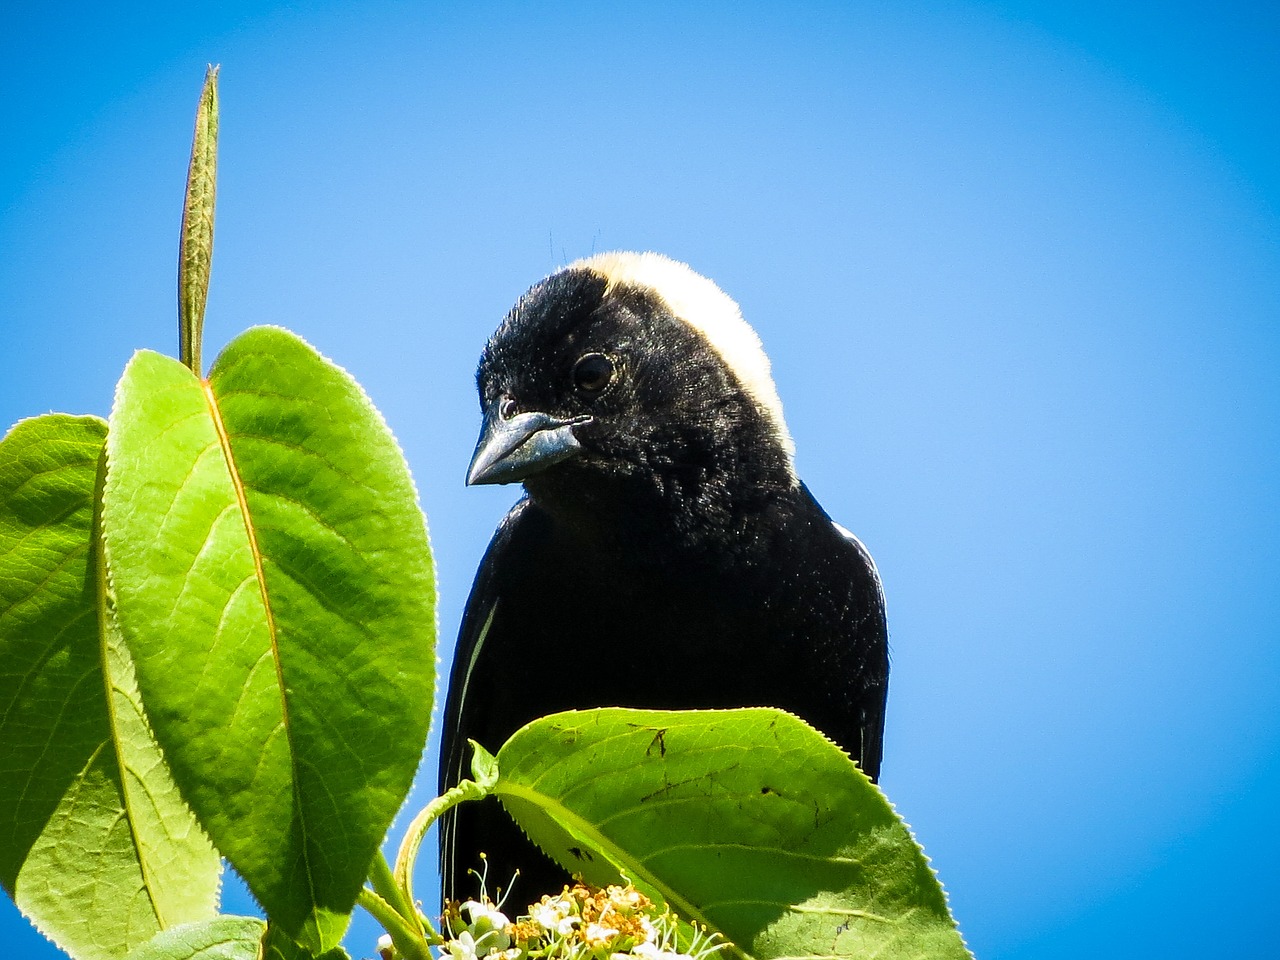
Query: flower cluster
[[581, 923]]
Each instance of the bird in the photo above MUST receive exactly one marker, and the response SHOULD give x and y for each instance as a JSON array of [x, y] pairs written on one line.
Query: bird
[[664, 555]]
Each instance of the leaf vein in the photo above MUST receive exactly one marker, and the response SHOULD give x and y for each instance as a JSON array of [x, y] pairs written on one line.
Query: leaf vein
[[224, 440], [749, 848]]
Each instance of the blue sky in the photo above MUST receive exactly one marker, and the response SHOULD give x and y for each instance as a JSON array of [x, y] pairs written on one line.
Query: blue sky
[[1018, 269]]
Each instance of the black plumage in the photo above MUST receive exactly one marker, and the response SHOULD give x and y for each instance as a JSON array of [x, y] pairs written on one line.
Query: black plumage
[[665, 555]]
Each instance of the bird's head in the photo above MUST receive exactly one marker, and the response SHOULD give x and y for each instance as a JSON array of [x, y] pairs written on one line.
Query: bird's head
[[630, 372]]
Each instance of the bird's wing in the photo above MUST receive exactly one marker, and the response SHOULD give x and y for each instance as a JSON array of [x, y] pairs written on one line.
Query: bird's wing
[[866, 559], [482, 604], [871, 722]]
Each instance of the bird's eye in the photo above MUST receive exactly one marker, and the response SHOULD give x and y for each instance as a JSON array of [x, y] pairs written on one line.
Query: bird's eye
[[592, 373]]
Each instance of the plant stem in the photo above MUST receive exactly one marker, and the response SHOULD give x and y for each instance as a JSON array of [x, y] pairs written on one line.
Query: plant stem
[[409, 943], [408, 855], [384, 884]]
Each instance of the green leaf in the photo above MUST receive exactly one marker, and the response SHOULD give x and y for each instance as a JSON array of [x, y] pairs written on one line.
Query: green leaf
[[484, 766], [747, 821], [277, 945], [274, 584], [227, 938], [222, 938], [96, 847]]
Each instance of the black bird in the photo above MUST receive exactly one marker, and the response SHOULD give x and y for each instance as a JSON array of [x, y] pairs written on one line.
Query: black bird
[[665, 555]]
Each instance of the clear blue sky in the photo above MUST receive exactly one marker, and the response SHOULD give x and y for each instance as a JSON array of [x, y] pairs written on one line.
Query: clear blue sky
[[1018, 268]]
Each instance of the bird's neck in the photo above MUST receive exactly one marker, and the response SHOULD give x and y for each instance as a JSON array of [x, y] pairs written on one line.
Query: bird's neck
[[667, 516]]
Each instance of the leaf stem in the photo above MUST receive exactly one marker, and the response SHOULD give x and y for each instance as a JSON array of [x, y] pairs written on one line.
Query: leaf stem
[[409, 943], [384, 884], [408, 855]]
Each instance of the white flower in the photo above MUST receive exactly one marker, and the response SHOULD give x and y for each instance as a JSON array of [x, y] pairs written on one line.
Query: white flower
[[488, 925], [650, 931], [598, 935], [626, 898], [462, 947], [485, 913], [553, 916]]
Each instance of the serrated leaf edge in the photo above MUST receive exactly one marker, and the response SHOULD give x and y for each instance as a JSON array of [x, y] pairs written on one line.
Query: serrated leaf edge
[[372, 408]]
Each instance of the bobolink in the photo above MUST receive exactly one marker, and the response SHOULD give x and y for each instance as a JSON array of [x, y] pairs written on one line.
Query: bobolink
[[665, 555]]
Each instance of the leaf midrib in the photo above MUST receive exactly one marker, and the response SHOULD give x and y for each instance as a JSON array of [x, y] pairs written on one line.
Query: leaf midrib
[[237, 484], [97, 557], [615, 855]]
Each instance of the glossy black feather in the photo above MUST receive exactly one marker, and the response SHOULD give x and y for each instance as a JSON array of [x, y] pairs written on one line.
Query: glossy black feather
[[675, 564]]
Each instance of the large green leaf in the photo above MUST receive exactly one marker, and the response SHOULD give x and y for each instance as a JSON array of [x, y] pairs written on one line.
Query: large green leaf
[[274, 584], [280, 946], [222, 938], [96, 847], [748, 821], [228, 938]]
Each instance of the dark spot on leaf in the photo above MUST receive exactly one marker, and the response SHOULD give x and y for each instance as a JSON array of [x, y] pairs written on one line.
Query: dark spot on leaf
[[766, 789], [659, 738], [580, 854]]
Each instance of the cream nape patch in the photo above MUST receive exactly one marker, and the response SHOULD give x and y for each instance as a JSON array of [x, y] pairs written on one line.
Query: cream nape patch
[[704, 306]]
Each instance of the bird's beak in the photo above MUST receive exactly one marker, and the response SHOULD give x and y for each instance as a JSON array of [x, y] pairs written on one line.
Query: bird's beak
[[512, 449]]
